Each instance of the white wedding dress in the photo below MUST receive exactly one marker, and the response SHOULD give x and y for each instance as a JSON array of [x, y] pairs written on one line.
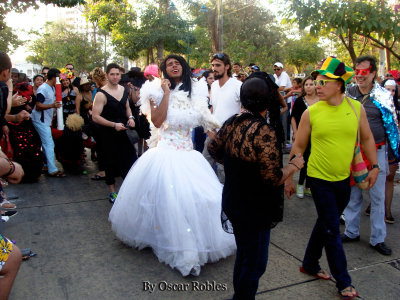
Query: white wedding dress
[[171, 198]]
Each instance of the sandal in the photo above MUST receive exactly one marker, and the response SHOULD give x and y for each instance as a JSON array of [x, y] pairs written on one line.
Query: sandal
[[350, 289], [57, 174], [5, 204], [321, 274]]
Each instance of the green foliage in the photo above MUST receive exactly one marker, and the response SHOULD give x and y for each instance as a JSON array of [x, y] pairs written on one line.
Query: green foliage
[[158, 27], [346, 19], [9, 40], [303, 52], [61, 45]]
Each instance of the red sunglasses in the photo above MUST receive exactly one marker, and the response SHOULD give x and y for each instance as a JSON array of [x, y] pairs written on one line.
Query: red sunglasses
[[363, 72]]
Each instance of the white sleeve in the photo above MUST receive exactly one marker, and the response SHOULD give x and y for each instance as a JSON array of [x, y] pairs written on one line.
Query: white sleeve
[[199, 98], [151, 90]]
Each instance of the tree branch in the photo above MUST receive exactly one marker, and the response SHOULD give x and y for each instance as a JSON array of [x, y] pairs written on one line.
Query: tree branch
[[383, 46]]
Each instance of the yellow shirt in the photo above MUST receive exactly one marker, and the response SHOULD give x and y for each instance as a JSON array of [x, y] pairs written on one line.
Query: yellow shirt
[[333, 137]]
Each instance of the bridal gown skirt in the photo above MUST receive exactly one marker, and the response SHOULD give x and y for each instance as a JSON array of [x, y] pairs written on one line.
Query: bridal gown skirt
[[171, 201]]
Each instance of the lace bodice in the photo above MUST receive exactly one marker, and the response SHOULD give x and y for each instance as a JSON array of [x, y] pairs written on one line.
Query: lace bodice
[[183, 114], [250, 139]]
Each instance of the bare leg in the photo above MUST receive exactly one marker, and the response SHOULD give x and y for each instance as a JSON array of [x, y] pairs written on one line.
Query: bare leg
[[9, 272], [112, 188]]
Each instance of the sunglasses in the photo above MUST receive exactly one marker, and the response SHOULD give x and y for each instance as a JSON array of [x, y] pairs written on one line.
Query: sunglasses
[[363, 72], [44, 74], [70, 69], [322, 82], [277, 69], [219, 55]]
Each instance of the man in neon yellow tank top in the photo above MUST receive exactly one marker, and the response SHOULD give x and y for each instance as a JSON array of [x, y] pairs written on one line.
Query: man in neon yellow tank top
[[331, 126]]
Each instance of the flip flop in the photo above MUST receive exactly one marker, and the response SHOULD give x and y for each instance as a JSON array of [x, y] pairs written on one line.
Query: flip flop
[[57, 174], [5, 205], [349, 289], [316, 275]]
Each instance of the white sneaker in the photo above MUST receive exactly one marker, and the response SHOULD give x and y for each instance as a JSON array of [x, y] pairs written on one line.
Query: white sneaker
[[300, 191]]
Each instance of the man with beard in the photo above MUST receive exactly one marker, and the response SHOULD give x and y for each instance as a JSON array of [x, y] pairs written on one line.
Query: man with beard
[[111, 110], [224, 98]]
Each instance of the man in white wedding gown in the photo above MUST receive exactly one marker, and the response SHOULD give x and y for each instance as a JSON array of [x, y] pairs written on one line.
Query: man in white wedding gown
[[171, 198]]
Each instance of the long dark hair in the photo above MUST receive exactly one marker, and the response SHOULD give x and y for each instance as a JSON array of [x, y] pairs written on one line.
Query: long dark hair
[[258, 93], [205, 75], [186, 73]]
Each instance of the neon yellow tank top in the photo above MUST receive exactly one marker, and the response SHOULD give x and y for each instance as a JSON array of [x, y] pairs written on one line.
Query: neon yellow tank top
[[333, 137]]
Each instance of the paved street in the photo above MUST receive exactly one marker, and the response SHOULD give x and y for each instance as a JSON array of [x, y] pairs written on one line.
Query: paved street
[[65, 221]]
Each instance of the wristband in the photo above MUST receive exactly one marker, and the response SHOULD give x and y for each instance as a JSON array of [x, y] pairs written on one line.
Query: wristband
[[12, 168], [115, 125], [131, 117], [290, 163]]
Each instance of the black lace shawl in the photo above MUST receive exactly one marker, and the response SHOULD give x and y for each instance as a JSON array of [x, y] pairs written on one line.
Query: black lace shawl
[[252, 157]]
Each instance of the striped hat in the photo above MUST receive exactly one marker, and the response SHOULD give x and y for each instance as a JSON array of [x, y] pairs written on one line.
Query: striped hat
[[334, 68]]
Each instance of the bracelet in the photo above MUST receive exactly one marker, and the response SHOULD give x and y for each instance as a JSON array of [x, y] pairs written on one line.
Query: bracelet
[[12, 168], [290, 163], [115, 125], [131, 117]]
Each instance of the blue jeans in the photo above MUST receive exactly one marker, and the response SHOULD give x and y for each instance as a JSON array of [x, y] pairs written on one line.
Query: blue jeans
[[330, 200], [377, 195], [251, 261], [44, 132]]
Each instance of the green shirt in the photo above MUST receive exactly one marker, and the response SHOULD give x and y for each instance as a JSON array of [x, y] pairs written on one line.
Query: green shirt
[[333, 137]]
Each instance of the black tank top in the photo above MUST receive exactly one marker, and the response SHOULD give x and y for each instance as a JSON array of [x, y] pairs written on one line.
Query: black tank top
[[114, 110]]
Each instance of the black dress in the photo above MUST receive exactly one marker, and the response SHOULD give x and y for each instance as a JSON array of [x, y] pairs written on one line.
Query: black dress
[[26, 144], [119, 153], [252, 158]]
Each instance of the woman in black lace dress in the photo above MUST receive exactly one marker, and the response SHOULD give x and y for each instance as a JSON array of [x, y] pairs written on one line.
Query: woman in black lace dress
[[249, 145]]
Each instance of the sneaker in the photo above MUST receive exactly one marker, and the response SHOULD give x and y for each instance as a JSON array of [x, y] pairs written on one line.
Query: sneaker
[[5, 219], [9, 213], [300, 191], [347, 239], [112, 197], [307, 192], [382, 248]]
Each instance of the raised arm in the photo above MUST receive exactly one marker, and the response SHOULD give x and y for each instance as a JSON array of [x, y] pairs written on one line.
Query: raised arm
[[159, 113]]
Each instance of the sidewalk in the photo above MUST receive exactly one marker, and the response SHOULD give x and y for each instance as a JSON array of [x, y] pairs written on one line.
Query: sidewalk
[[65, 221]]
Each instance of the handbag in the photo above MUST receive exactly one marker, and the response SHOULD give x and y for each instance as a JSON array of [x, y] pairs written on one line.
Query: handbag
[[359, 169], [5, 146]]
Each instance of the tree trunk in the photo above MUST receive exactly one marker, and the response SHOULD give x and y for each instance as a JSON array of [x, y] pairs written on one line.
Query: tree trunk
[[160, 51], [388, 66], [213, 29]]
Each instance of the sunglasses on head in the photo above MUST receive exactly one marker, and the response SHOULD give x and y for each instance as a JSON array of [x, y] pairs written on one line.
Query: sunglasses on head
[[219, 55], [363, 72], [322, 82]]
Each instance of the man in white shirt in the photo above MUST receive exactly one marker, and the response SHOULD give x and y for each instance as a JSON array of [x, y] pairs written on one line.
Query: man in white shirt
[[225, 99], [282, 79]]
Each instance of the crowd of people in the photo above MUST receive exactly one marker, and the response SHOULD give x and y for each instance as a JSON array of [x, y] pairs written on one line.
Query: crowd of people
[[202, 157]]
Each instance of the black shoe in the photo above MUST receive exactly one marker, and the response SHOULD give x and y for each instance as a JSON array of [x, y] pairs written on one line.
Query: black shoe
[[9, 213], [382, 248], [346, 239]]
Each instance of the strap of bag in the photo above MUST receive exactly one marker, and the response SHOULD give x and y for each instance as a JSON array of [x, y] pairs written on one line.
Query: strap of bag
[[358, 119], [305, 101]]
